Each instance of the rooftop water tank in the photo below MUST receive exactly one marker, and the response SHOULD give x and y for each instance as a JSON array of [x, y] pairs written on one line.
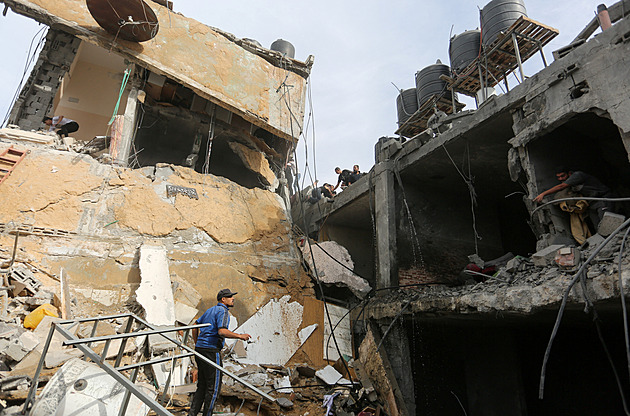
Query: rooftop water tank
[[284, 47], [428, 82], [497, 16], [463, 49], [407, 104]]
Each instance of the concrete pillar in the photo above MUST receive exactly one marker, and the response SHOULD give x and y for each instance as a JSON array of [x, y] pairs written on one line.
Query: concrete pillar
[[123, 149], [396, 343], [385, 213]]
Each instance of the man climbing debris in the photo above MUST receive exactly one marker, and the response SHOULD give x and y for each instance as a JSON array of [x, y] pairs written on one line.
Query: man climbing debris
[[584, 184], [64, 125], [208, 342]]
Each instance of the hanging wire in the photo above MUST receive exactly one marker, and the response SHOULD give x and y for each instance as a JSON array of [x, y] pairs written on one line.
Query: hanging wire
[[31, 54]]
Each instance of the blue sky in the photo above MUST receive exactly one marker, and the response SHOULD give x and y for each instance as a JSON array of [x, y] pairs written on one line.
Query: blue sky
[[360, 48]]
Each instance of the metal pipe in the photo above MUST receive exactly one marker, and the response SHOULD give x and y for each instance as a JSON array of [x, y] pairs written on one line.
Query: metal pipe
[[518, 56], [212, 363], [156, 361], [33, 391], [132, 334], [123, 343], [125, 403], [99, 318], [124, 381]]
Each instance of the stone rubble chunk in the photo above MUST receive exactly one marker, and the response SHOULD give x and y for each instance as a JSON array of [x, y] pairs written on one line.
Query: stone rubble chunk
[[609, 223], [284, 403], [594, 241], [543, 257]]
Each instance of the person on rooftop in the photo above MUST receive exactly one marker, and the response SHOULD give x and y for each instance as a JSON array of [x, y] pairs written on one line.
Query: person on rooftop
[[345, 178]]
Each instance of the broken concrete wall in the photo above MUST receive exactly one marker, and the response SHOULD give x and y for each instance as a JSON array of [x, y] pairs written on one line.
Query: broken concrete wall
[[95, 218], [210, 62], [36, 98]]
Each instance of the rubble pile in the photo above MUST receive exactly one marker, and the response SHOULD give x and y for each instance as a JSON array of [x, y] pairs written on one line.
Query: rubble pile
[[524, 283]]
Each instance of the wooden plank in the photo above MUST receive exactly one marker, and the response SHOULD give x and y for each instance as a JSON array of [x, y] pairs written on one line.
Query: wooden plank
[[312, 351]]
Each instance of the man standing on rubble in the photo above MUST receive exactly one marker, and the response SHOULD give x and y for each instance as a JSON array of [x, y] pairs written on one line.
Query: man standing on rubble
[[209, 341]]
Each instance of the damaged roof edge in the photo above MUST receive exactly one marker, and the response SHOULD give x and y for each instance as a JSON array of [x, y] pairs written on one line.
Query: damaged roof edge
[[41, 15]]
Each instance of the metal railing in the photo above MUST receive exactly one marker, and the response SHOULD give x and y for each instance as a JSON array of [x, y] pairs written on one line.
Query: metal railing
[[116, 371]]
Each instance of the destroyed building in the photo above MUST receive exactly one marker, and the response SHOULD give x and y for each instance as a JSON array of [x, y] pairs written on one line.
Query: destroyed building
[[172, 189], [459, 190]]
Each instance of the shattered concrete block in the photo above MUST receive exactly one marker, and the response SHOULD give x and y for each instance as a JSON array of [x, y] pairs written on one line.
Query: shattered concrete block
[[105, 297], [184, 292], [15, 351], [328, 375], [257, 379], [282, 385], [155, 293], [56, 358], [284, 402], [184, 314], [102, 329], [306, 371], [543, 257], [29, 341], [512, 265], [594, 241], [330, 271], [15, 383], [7, 331], [609, 223]]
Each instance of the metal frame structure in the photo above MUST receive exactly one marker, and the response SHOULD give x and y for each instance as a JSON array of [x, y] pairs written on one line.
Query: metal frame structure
[[116, 371]]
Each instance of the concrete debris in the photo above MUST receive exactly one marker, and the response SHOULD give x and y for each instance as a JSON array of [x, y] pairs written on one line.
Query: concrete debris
[[329, 375], [83, 388], [104, 297], [184, 314], [594, 241], [306, 332], [568, 257], [274, 331], [282, 385], [184, 292], [609, 223], [155, 293], [334, 266], [543, 257]]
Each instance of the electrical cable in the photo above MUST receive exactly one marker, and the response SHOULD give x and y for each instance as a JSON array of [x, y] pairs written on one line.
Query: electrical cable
[[580, 198], [287, 98], [565, 297], [43, 32], [394, 321]]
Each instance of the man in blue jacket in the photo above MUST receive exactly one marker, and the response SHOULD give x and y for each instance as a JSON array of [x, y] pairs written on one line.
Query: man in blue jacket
[[209, 341]]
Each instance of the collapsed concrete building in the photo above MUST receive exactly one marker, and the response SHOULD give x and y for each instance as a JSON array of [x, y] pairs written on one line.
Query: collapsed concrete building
[[172, 188], [465, 187]]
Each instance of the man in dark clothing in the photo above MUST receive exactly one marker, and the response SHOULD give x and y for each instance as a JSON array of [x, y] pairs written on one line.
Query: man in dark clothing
[[209, 341], [345, 178], [584, 184], [318, 192]]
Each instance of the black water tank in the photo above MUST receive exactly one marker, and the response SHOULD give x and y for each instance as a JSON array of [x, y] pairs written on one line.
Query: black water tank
[[497, 16], [407, 104], [284, 47], [428, 82], [463, 49]]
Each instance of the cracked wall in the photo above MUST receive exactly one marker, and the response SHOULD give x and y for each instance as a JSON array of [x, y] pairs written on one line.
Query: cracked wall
[[230, 237]]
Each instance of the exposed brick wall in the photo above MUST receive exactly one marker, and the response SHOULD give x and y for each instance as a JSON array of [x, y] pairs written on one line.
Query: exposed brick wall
[[415, 276]]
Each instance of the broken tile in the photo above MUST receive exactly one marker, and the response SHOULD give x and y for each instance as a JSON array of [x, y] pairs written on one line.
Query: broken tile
[[55, 358], [328, 375]]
